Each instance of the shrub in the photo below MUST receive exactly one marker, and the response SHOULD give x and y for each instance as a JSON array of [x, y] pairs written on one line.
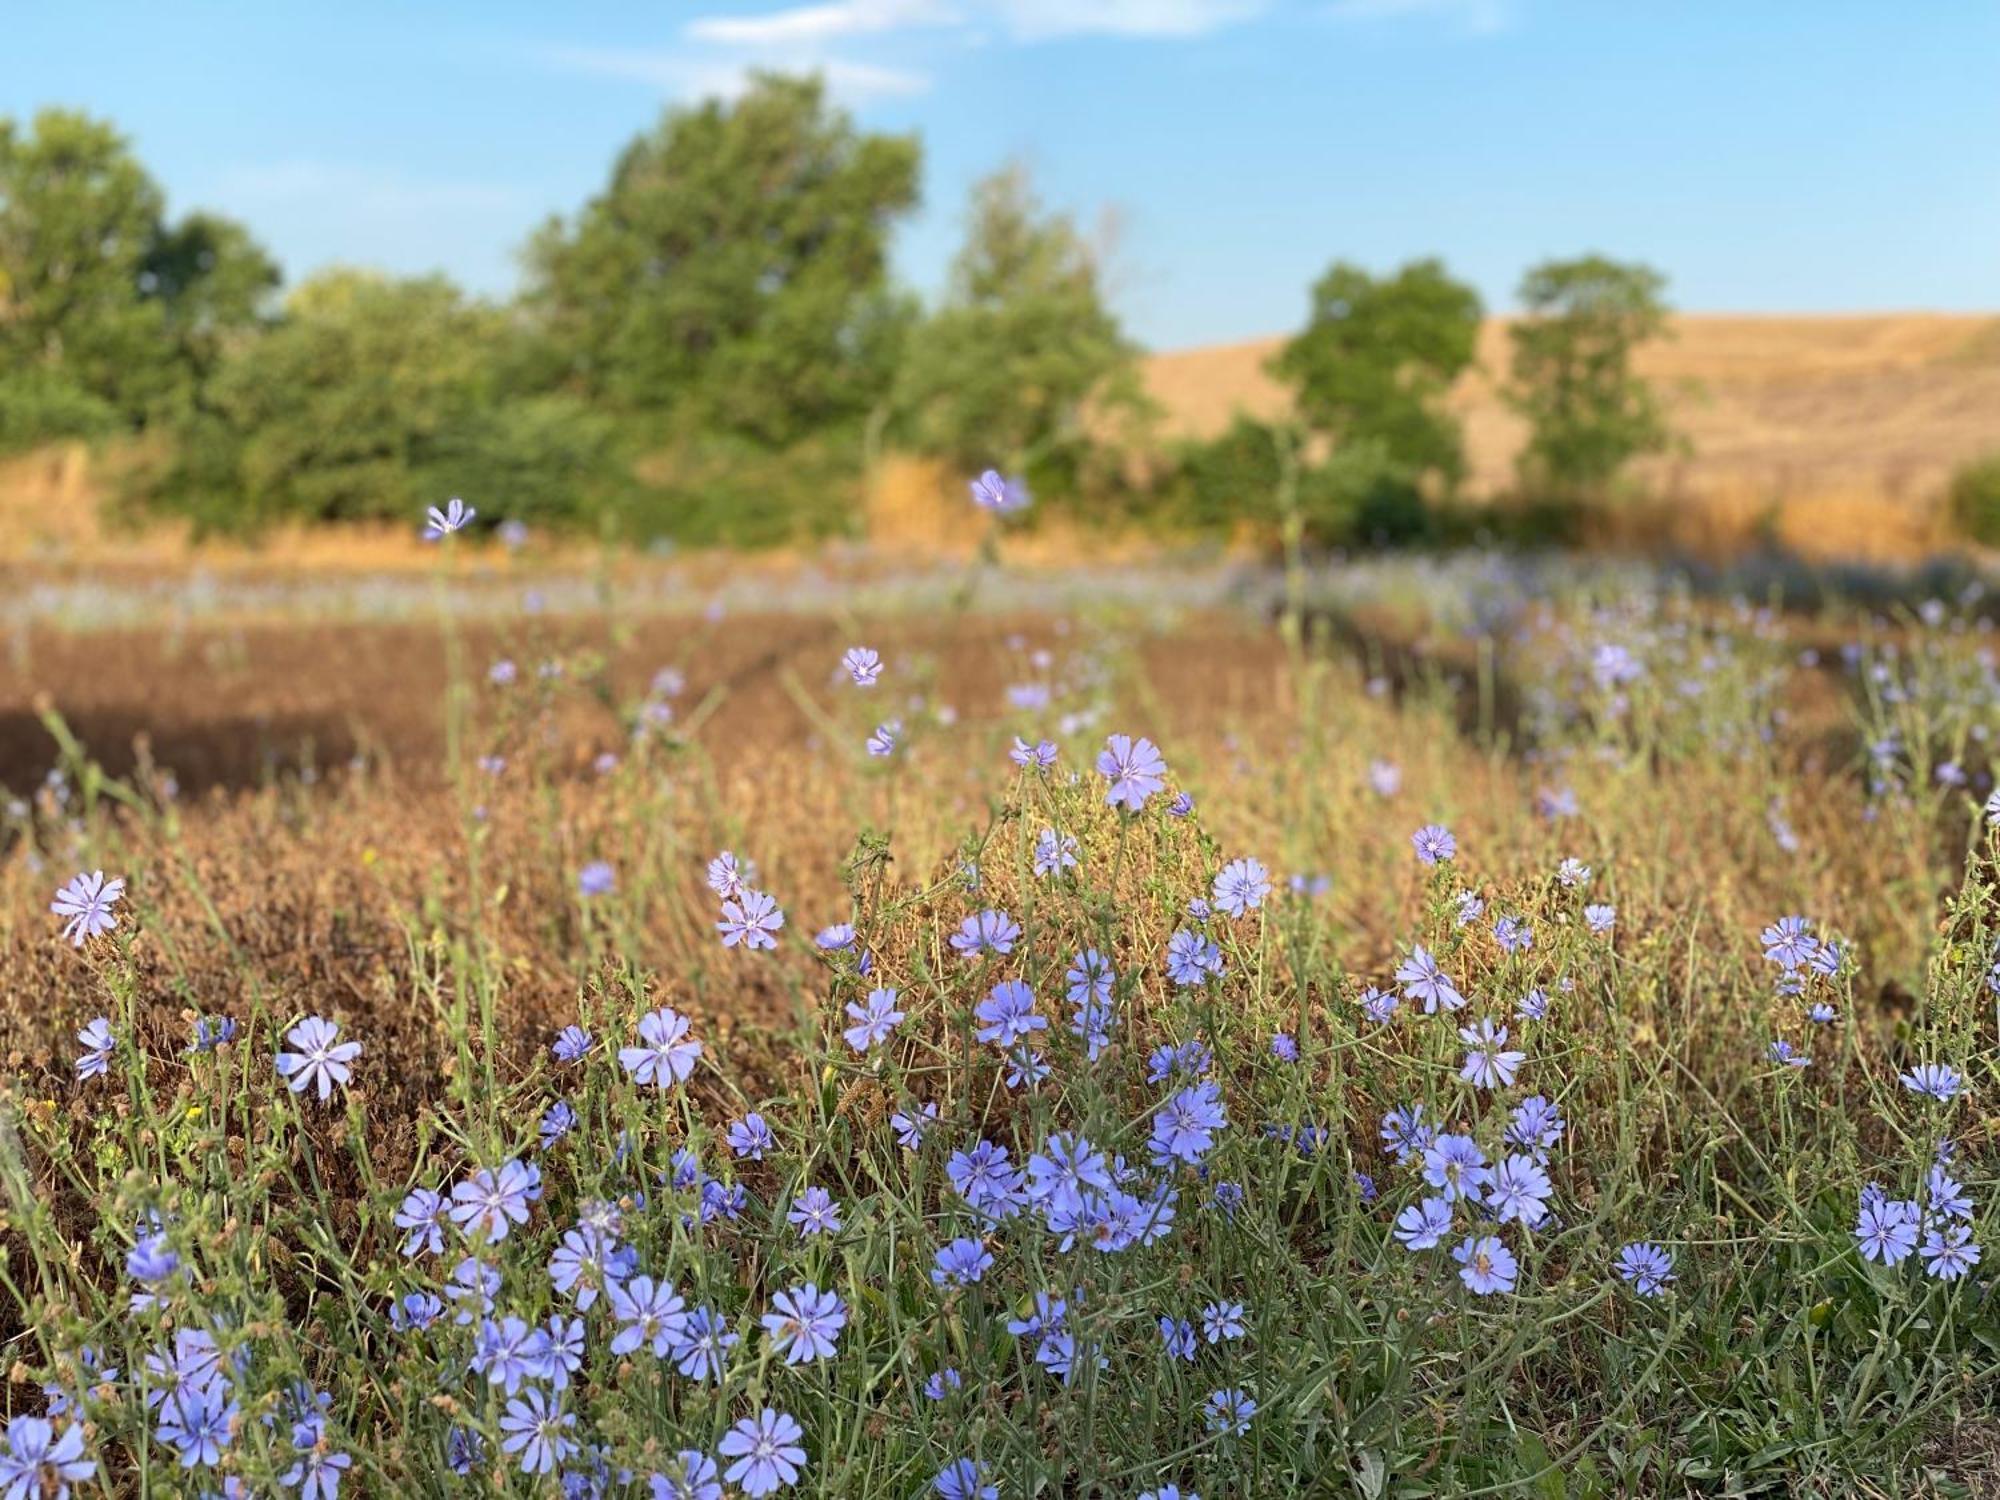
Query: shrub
[[109, 315], [1589, 415], [1361, 496], [1232, 477], [373, 398], [1000, 372], [713, 489], [1376, 359], [549, 459], [1356, 496], [37, 409], [1974, 500]]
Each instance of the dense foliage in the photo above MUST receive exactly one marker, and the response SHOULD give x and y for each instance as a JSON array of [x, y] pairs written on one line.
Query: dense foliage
[[1974, 500], [110, 315], [1589, 414], [1023, 339], [712, 349], [1375, 360], [708, 349], [732, 275], [372, 397]]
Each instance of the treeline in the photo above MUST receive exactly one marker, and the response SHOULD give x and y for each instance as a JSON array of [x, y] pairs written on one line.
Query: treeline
[[1373, 454], [712, 350]]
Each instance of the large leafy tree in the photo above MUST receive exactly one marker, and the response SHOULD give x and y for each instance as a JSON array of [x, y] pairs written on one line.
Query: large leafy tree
[[1376, 359], [108, 314], [1589, 413], [374, 397], [1002, 371], [213, 282], [732, 274]]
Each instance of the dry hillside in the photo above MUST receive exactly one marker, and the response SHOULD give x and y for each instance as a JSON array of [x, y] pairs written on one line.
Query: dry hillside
[[1816, 421]]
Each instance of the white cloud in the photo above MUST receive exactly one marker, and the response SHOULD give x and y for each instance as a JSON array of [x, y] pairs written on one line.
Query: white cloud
[[819, 23], [1034, 20], [1026, 20], [722, 50], [1474, 17], [726, 77]]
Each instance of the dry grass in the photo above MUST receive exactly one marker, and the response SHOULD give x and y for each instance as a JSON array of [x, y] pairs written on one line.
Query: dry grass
[[386, 894], [312, 817], [314, 800], [56, 516]]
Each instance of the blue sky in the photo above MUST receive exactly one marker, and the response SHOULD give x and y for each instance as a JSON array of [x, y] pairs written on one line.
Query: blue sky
[[1774, 156]]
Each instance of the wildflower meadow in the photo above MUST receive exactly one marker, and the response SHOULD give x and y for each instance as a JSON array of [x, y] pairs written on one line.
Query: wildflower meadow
[[1477, 1039]]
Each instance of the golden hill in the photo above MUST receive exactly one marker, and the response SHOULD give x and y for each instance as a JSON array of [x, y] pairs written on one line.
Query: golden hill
[[1818, 427]]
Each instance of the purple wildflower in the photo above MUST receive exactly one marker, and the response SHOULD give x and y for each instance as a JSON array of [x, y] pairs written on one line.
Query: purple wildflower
[[667, 1055], [98, 1044], [873, 1022], [1241, 887], [1423, 1226], [88, 902], [805, 1323], [751, 1137], [490, 1202], [320, 1059], [1423, 981], [1486, 1265], [751, 920], [1135, 770], [1645, 1267], [1007, 1015], [863, 665], [1433, 843], [991, 492], [767, 1453], [455, 516]]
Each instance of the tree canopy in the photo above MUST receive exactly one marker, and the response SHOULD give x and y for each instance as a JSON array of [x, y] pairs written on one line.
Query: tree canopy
[[733, 273], [1377, 357], [108, 313], [1002, 371], [710, 345], [1589, 413], [373, 397]]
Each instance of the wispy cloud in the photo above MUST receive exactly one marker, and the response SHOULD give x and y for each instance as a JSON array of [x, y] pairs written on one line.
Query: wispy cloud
[[725, 77], [1472, 17], [821, 23], [719, 52], [1035, 20], [1025, 20]]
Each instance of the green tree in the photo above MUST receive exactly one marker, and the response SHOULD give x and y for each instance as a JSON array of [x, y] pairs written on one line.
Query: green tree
[[1002, 372], [214, 283], [1973, 499], [1589, 414], [1376, 359], [732, 274], [108, 315], [374, 397], [1231, 477]]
